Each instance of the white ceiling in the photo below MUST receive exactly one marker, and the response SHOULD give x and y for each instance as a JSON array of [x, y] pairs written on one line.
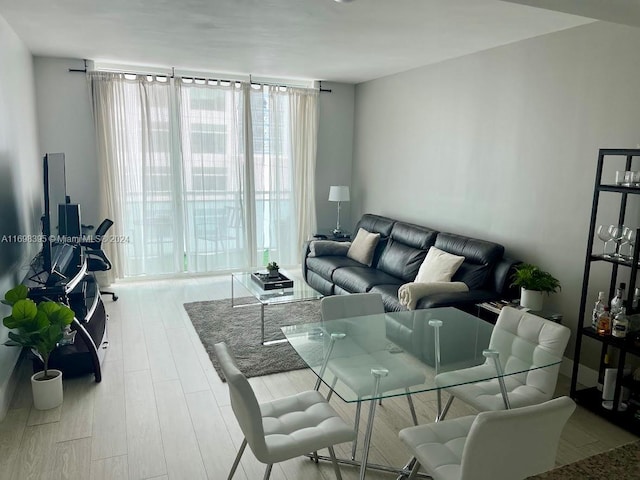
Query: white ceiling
[[312, 39]]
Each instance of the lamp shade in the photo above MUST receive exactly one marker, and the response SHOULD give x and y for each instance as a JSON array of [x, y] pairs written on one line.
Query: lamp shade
[[339, 193]]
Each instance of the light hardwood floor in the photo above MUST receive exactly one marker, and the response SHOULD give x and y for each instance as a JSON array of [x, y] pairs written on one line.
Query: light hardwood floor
[[161, 412]]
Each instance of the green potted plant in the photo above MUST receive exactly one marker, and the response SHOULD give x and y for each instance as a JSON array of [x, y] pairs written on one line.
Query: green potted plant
[[533, 283], [38, 327], [273, 270]]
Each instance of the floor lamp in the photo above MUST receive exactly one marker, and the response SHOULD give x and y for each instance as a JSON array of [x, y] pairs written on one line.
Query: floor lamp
[[338, 193]]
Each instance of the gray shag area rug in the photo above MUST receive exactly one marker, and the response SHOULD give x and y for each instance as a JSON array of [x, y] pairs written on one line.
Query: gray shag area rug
[[239, 327]]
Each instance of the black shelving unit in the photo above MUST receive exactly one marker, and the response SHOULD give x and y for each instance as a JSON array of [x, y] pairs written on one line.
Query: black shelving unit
[[591, 398]]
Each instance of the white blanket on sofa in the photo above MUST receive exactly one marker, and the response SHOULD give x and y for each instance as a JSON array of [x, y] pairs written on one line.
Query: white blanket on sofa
[[410, 293]]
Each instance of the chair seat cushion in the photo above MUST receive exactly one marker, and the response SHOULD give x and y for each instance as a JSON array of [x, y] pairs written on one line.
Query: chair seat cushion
[[300, 424], [439, 446], [486, 395], [355, 372]]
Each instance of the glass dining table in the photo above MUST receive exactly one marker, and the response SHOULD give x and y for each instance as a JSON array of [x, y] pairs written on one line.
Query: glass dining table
[[373, 357]]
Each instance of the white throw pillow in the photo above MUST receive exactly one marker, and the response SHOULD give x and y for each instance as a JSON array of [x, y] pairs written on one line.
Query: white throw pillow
[[438, 266], [363, 247]]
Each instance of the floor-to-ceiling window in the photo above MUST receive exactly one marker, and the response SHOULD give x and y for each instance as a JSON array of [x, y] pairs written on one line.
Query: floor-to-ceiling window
[[200, 176]]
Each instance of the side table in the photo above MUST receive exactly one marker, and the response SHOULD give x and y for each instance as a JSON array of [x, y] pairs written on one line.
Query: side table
[[489, 311]]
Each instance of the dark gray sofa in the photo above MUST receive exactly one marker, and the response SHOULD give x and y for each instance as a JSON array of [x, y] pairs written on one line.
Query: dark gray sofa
[[398, 256], [397, 259]]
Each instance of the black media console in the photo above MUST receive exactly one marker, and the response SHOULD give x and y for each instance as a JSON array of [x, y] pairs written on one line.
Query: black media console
[[77, 287]]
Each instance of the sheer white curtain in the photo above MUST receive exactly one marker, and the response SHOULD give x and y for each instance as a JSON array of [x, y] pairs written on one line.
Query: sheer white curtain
[[303, 105], [139, 178], [204, 176], [213, 165]]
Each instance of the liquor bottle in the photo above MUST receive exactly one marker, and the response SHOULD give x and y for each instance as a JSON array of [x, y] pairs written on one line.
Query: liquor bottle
[[604, 323], [636, 300], [616, 302], [597, 310], [620, 324]]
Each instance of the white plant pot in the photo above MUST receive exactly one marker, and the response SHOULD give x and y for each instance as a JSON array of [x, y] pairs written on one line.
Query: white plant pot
[[531, 299], [47, 393]]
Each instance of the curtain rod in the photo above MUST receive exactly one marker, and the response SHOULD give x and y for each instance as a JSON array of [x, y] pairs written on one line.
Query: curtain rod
[[202, 78]]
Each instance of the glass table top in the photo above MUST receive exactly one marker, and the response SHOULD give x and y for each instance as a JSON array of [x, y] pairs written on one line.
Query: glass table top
[[298, 293], [343, 353]]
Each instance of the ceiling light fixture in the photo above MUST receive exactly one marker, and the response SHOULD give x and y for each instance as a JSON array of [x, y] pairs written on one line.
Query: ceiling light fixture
[[343, 1]]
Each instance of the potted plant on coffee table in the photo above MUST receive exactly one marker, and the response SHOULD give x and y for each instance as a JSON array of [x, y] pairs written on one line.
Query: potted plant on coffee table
[[533, 283], [38, 327], [273, 270]]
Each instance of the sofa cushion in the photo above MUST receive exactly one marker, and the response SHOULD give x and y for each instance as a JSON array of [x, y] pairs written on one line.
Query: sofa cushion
[[414, 235], [480, 257], [400, 260], [363, 247], [325, 266], [361, 279], [406, 249], [438, 266], [473, 250], [389, 294], [376, 224]]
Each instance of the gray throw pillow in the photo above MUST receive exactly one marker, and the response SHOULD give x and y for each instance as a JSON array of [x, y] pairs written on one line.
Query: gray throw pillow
[[363, 247]]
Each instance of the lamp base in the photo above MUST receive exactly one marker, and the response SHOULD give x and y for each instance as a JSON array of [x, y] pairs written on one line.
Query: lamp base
[[337, 232]]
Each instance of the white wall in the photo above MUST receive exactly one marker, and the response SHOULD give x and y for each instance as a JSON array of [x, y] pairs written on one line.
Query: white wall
[[65, 124], [503, 144], [20, 182]]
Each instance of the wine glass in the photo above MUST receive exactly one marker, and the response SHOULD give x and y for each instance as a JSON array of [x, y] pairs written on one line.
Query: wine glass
[[605, 236], [616, 236], [630, 239]]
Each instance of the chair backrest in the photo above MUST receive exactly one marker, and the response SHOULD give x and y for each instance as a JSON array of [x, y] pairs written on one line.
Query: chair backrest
[[103, 227], [353, 305], [520, 336], [370, 335], [243, 402], [515, 444]]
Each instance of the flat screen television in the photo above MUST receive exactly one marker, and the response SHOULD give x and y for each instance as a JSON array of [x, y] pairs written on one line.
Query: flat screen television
[[55, 193]]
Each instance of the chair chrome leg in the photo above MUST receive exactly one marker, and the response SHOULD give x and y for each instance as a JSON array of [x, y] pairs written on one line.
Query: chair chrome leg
[[267, 472], [333, 385], [414, 471], [412, 409], [354, 445], [377, 375], [237, 460], [445, 409], [336, 468]]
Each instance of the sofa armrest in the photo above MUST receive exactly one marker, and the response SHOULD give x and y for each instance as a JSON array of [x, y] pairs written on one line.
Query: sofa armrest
[[502, 273], [306, 249]]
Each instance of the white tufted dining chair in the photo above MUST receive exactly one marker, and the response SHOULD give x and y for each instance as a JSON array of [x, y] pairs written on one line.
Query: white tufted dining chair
[[501, 445], [284, 428], [519, 337]]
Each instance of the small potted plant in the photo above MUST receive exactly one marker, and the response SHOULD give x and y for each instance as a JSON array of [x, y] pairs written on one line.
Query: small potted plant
[[533, 282], [272, 269], [38, 327]]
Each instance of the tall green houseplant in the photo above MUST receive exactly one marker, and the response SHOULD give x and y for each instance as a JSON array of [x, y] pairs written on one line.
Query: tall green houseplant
[[36, 326]]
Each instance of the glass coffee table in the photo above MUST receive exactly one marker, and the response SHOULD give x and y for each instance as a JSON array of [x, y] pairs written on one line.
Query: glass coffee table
[[300, 292]]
